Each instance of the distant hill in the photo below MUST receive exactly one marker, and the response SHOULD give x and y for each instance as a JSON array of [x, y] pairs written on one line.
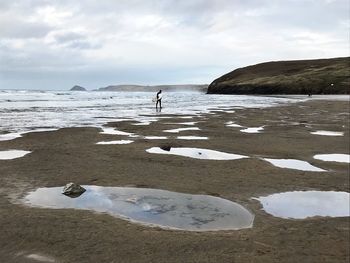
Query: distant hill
[[77, 88], [167, 88], [321, 76]]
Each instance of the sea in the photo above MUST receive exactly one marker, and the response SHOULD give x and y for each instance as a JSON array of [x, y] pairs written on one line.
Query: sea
[[23, 111]]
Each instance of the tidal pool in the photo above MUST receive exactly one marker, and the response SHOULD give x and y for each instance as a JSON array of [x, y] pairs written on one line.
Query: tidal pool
[[233, 125], [15, 135], [190, 123], [328, 133], [304, 204], [335, 157], [113, 131], [253, 130], [192, 138], [115, 142], [12, 154], [152, 207], [197, 153], [182, 129], [156, 137], [294, 164]]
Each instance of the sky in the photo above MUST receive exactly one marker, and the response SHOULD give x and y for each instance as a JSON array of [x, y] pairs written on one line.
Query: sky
[[55, 44]]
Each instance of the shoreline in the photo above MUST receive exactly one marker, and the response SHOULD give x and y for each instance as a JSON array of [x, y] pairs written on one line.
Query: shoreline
[[71, 154]]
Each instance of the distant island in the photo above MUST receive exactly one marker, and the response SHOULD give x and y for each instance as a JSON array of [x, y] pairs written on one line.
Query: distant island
[[321, 76], [167, 88], [78, 88]]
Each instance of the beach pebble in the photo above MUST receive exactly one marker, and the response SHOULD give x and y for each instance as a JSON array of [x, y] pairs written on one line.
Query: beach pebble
[[73, 190]]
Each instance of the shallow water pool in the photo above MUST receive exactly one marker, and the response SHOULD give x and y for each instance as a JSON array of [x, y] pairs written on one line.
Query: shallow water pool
[[151, 207], [304, 204], [197, 153]]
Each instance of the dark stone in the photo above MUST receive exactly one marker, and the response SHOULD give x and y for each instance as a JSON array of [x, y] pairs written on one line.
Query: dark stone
[[73, 190], [166, 148]]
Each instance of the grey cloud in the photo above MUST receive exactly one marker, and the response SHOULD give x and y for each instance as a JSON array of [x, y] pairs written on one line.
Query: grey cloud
[[162, 41], [11, 27], [84, 44], [68, 37]]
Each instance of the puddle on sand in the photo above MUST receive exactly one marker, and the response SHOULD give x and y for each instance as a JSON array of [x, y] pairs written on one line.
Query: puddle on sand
[[335, 157], [113, 131], [10, 136], [232, 124], [197, 153], [40, 258], [115, 142], [156, 137], [253, 130], [191, 138], [189, 123], [304, 204], [12, 154], [152, 207], [328, 133], [294, 164], [15, 135], [182, 129]]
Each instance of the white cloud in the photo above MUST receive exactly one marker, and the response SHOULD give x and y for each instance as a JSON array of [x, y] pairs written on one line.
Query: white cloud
[[161, 41]]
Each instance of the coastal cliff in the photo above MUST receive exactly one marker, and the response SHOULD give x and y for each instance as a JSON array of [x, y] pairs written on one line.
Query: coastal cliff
[[321, 76]]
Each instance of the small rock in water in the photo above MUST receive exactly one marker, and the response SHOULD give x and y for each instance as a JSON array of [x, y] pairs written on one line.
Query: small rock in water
[[166, 148], [73, 190]]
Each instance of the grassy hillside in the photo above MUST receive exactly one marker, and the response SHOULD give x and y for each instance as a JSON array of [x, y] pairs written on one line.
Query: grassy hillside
[[321, 76]]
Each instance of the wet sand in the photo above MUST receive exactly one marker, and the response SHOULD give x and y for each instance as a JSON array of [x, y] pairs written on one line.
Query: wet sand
[[66, 235]]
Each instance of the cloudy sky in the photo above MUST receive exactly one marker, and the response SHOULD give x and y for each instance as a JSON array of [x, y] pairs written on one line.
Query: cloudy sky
[[54, 44]]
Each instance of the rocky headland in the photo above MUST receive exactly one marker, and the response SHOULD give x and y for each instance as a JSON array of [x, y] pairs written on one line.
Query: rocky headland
[[321, 76]]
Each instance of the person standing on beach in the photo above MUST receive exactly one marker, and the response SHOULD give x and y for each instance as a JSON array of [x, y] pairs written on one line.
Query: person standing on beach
[[159, 100]]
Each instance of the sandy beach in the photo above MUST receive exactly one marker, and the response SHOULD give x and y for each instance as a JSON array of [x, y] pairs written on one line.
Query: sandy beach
[[30, 234]]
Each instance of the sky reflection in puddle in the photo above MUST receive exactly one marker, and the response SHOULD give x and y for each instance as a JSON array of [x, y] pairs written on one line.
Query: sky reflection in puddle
[[115, 142], [294, 164], [192, 138], [14, 135], [197, 153], [12, 154], [304, 204], [335, 157], [233, 125], [151, 207], [328, 133], [114, 131], [182, 129], [253, 130], [156, 137]]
